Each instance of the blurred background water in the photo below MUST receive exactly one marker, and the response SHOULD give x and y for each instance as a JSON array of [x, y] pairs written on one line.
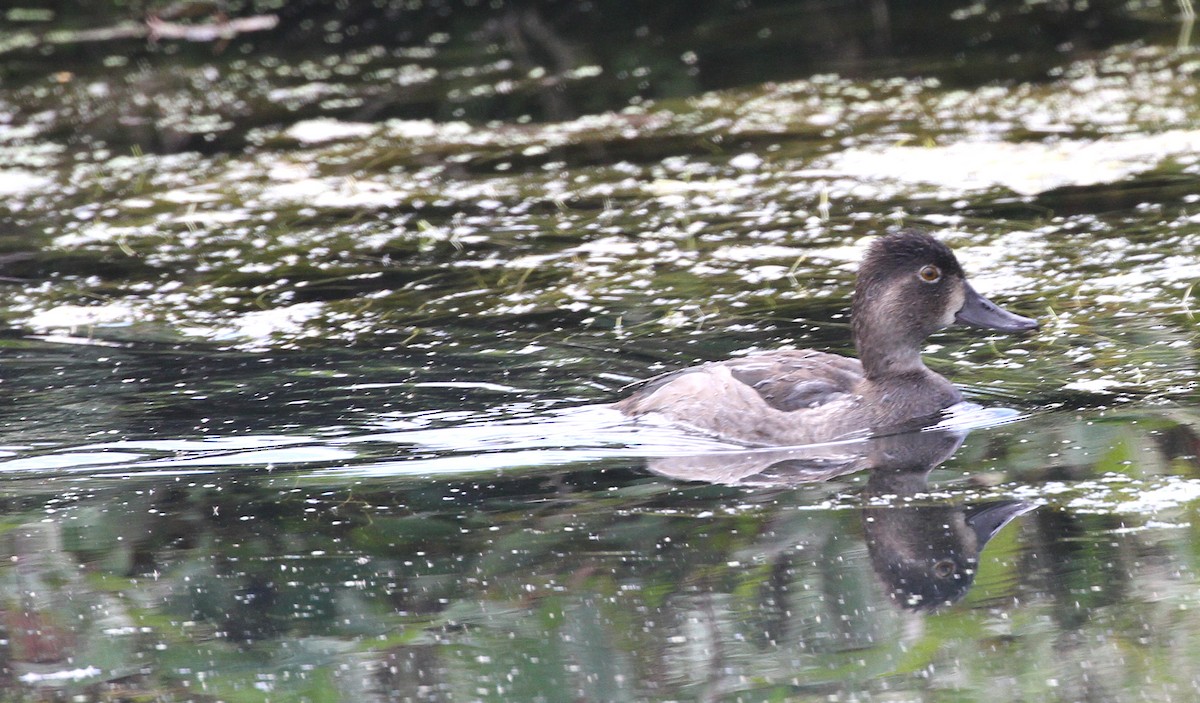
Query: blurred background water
[[311, 310]]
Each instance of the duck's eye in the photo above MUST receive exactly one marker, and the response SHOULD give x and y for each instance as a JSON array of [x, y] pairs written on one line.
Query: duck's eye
[[930, 274]]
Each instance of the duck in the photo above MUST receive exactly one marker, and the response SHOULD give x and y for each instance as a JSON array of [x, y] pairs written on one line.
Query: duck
[[909, 286]]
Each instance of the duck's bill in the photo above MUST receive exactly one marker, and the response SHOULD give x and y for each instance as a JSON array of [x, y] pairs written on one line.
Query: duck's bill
[[987, 519], [981, 312]]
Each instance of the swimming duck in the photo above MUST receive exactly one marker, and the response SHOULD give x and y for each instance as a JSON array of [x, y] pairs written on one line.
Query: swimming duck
[[909, 286]]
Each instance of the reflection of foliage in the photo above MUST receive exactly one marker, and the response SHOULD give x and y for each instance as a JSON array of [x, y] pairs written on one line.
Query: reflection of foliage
[[514, 585]]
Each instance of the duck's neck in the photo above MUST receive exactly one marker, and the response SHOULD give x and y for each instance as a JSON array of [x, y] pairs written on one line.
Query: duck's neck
[[883, 358], [888, 333]]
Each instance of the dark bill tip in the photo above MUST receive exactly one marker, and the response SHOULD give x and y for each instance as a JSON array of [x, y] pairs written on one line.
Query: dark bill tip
[[978, 311]]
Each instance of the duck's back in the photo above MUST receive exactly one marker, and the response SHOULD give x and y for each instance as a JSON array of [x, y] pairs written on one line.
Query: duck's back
[[771, 397], [797, 380]]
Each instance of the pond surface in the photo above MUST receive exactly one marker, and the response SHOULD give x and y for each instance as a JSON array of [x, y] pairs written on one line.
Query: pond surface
[[311, 328]]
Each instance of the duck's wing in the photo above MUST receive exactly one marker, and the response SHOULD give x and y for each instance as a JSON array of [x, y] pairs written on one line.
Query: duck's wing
[[797, 380], [784, 380]]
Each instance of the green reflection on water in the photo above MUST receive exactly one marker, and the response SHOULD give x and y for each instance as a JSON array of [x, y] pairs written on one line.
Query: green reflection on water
[[600, 584]]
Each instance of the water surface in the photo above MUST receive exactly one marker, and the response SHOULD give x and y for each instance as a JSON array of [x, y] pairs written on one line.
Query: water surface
[[307, 353]]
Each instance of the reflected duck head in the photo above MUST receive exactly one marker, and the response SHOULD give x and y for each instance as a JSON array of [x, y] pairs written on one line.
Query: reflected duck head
[[927, 555], [911, 285]]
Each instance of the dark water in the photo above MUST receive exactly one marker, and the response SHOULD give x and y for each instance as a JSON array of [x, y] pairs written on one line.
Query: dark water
[[310, 330]]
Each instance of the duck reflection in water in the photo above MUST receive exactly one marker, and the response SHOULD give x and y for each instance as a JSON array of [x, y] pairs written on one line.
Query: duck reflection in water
[[926, 555]]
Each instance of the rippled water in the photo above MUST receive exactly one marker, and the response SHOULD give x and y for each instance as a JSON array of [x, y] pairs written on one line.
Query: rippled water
[[307, 356]]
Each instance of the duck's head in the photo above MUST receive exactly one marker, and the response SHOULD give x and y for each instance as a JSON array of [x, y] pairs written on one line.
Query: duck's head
[[910, 285]]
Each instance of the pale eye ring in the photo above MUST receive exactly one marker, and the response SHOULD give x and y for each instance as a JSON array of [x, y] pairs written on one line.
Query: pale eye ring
[[930, 273], [944, 569]]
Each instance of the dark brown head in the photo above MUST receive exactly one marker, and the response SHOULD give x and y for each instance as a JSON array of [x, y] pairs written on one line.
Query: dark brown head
[[910, 285]]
